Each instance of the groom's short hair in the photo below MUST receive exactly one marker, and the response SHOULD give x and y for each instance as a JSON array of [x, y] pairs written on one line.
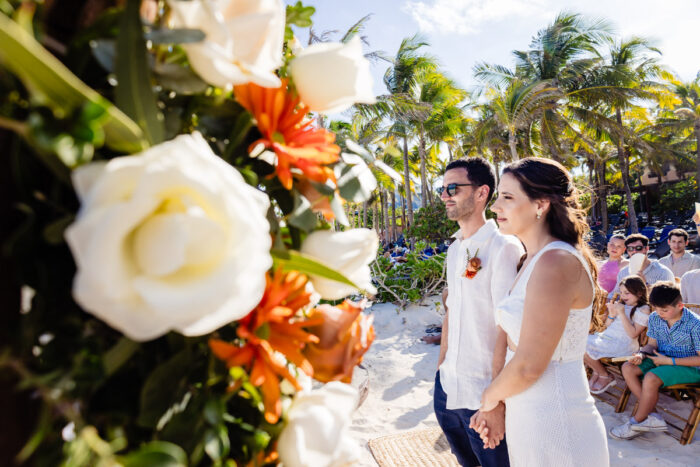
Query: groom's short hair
[[479, 171]]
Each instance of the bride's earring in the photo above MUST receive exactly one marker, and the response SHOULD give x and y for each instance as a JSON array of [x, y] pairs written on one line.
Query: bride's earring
[[539, 215]]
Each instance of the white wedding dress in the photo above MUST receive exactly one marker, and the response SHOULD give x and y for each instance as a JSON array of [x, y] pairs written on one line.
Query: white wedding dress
[[554, 423]]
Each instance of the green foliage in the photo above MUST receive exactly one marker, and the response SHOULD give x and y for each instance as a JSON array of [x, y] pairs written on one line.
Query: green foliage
[[617, 203], [677, 196], [416, 279], [431, 223]]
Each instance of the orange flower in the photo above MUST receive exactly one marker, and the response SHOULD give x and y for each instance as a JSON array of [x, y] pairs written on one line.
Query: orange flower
[[282, 121], [272, 326], [345, 334]]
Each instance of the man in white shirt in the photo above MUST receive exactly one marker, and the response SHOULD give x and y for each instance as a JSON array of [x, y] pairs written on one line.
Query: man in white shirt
[[481, 267], [690, 287], [651, 271], [678, 260]]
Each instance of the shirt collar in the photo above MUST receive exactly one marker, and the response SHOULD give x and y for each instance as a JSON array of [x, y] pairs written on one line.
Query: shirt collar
[[484, 232]]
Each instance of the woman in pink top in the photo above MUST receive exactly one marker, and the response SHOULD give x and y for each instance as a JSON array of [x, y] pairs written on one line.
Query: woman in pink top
[[607, 276]]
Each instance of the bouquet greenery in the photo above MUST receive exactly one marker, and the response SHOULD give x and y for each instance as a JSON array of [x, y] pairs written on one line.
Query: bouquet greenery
[[171, 277]]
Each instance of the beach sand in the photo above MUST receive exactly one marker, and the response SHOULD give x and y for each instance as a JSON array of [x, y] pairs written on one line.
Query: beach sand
[[401, 370]]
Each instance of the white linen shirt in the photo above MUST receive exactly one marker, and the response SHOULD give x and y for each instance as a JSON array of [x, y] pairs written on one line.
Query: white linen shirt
[[471, 328], [654, 273], [690, 287], [688, 262]]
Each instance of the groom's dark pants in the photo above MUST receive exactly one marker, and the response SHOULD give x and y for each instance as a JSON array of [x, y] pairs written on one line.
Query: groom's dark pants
[[466, 444]]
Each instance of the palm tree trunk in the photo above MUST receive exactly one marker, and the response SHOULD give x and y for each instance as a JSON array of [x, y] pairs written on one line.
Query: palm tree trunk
[[375, 219], [697, 163], [624, 165], [602, 191], [423, 175], [364, 214], [393, 215], [403, 214], [511, 143], [449, 151], [385, 212], [407, 181]]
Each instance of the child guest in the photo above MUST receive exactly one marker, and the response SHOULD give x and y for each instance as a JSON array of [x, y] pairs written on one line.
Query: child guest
[[672, 356], [626, 321]]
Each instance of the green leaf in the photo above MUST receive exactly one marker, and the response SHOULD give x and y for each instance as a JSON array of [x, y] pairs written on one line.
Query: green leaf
[[154, 401], [51, 82], [175, 36], [216, 443], [337, 207], [157, 454], [302, 216], [388, 170], [300, 15], [179, 78], [53, 233], [291, 260], [134, 92]]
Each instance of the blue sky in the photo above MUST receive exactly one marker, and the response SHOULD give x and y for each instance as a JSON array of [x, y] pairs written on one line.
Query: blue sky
[[464, 32]]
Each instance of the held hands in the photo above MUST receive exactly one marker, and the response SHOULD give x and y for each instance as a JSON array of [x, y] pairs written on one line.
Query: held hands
[[491, 425]]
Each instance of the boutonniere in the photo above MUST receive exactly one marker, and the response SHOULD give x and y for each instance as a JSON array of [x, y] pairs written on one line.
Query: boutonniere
[[473, 265]]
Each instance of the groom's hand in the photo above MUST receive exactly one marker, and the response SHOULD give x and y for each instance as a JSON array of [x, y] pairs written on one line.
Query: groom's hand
[[490, 425]]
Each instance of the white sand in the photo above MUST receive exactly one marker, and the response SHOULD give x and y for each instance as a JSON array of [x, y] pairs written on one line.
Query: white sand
[[401, 377]]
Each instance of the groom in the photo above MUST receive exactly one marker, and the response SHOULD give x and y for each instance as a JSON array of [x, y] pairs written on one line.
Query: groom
[[481, 267]]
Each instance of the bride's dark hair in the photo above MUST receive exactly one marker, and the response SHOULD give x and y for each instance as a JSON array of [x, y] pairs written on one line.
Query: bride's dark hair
[[547, 179]]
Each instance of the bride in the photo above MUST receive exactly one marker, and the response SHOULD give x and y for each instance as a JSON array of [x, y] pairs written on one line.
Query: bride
[[551, 418]]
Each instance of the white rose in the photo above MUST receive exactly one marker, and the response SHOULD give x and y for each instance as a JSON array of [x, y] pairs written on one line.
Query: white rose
[[330, 77], [243, 39], [349, 253], [316, 434], [169, 239]]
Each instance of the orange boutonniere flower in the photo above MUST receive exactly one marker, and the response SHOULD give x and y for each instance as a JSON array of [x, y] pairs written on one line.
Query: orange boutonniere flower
[[473, 265], [285, 128]]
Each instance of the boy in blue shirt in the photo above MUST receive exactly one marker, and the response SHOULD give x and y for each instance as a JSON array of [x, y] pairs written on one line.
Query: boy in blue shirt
[[672, 356]]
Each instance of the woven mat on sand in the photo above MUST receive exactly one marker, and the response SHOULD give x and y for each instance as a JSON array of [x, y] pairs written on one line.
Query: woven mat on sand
[[427, 447]]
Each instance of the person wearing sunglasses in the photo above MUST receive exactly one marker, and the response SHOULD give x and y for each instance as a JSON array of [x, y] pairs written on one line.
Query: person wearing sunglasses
[[651, 271], [466, 364]]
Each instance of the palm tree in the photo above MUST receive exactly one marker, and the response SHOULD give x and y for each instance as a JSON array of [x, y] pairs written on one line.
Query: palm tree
[[628, 67], [400, 80], [560, 55], [440, 97], [516, 107], [684, 119]]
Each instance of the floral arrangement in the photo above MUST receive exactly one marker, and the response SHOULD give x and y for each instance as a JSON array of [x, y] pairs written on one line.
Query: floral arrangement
[[175, 280]]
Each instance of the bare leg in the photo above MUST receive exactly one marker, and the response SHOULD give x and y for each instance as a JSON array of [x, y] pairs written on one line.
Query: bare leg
[[595, 365], [650, 396], [632, 374]]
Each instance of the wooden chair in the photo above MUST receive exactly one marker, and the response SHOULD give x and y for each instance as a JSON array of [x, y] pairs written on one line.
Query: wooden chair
[[679, 392], [690, 392]]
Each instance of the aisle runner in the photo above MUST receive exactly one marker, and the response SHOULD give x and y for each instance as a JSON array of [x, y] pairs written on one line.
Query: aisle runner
[[427, 447]]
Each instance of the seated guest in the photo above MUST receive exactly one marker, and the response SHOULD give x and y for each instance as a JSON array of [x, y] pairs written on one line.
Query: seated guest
[[672, 356], [627, 319], [690, 286], [678, 260], [652, 271], [607, 275]]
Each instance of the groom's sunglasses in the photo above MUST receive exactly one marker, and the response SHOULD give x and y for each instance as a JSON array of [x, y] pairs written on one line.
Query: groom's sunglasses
[[452, 188], [635, 248]]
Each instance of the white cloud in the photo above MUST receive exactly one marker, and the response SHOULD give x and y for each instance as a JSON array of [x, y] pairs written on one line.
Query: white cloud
[[466, 17]]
